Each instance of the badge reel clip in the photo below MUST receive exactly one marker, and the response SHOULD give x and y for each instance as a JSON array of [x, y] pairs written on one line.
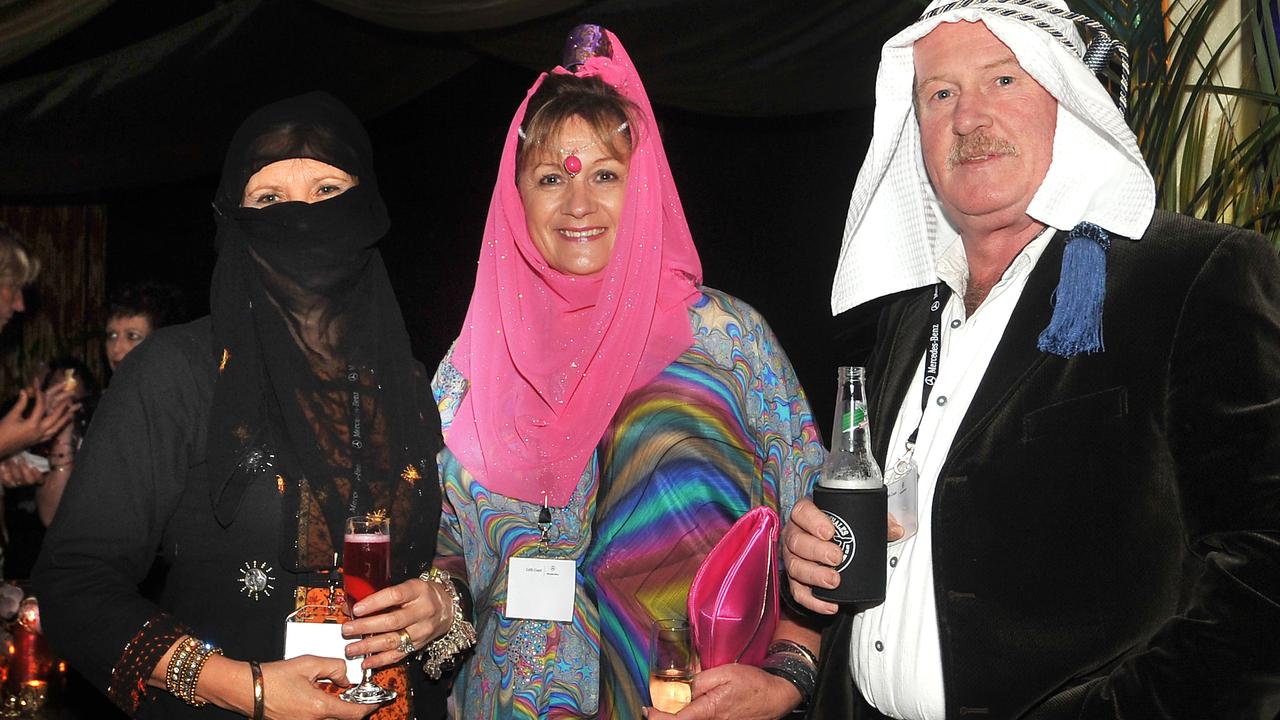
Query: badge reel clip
[[901, 483], [541, 587]]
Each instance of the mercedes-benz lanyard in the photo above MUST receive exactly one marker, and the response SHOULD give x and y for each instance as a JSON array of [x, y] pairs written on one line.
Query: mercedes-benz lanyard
[[905, 465]]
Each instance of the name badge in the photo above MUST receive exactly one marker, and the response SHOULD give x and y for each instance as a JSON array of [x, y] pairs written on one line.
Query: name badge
[[323, 639], [900, 483], [541, 589]]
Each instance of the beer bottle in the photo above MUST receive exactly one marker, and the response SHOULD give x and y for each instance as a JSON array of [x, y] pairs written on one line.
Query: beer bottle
[[851, 492]]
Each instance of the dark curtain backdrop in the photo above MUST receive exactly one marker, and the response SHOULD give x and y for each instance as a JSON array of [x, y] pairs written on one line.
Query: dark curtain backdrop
[[131, 115], [28, 25]]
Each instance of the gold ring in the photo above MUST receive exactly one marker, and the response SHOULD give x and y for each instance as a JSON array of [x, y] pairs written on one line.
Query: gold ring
[[406, 642]]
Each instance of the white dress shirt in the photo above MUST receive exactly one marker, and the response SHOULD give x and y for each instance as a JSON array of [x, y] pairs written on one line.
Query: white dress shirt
[[895, 657]]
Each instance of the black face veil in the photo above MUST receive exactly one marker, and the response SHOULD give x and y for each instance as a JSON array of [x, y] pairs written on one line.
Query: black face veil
[[317, 391]]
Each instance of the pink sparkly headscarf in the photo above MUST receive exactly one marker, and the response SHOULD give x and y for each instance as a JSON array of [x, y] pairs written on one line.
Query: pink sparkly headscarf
[[547, 355]]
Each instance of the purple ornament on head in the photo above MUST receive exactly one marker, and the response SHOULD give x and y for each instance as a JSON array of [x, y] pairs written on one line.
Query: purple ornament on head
[[585, 41]]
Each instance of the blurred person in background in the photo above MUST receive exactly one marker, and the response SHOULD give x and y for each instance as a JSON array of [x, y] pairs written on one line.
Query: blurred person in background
[[33, 418], [29, 506], [137, 310], [18, 268], [37, 415]]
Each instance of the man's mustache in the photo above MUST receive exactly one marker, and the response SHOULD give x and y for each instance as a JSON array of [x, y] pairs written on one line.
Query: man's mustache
[[979, 145]]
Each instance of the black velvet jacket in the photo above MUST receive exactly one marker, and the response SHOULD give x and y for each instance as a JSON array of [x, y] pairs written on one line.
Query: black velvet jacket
[[1106, 529]]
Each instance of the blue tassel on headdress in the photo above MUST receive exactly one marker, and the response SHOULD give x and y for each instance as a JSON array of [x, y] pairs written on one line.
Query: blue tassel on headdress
[[1076, 325]]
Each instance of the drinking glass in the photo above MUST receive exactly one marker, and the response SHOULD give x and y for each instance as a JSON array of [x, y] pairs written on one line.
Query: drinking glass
[[672, 664], [366, 568]]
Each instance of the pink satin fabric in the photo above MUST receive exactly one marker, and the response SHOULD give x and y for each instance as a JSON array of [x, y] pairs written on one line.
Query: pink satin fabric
[[733, 600], [547, 355]]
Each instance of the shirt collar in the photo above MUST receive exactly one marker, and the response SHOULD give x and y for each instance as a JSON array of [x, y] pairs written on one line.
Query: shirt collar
[[953, 266]]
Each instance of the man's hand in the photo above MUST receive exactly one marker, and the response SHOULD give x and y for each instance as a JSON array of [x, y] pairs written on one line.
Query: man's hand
[[809, 555]]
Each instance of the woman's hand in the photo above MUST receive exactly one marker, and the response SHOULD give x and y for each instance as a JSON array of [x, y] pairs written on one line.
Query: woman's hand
[[20, 430], [60, 407], [736, 692], [289, 690], [422, 609], [49, 413], [15, 472]]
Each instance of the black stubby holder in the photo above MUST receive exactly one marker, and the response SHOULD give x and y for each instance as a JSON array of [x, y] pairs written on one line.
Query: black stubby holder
[[861, 520]]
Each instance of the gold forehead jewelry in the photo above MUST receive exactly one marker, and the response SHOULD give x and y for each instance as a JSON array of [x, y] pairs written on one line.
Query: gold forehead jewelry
[[572, 163]]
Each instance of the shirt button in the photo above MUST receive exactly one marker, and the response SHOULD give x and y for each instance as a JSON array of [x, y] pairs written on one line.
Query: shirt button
[[893, 562], [942, 399], [955, 323], [879, 646]]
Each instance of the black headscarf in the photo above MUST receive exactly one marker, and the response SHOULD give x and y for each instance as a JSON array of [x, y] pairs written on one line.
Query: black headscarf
[[317, 390]]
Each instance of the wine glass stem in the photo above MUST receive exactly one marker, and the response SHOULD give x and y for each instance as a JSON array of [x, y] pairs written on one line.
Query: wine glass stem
[[366, 674]]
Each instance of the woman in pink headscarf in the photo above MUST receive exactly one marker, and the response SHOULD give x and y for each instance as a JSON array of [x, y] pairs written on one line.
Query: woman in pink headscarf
[[606, 418]]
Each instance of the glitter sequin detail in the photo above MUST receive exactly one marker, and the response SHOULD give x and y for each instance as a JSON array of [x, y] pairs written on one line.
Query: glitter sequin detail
[[528, 650]]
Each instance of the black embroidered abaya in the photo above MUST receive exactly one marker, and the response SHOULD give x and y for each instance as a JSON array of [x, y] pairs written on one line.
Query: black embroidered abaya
[[242, 441]]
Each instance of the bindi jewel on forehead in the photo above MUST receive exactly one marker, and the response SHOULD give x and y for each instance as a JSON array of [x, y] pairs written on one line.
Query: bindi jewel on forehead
[[572, 164]]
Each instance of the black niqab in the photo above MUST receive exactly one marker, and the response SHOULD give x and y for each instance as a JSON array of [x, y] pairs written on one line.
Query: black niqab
[[317, 390]]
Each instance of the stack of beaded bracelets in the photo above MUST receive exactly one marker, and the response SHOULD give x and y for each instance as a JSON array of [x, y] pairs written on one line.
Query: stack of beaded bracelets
[[794, 663], [183, 672], [441, 654]]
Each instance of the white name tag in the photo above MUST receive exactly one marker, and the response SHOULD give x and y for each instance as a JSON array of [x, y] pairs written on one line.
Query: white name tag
[[323, 639], [541, 589]]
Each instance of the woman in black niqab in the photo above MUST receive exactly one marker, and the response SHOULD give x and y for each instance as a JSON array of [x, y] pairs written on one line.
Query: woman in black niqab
[[312, 410], [317, 382]]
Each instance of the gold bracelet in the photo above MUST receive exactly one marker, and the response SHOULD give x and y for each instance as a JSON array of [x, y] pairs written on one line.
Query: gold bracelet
[[442, 654], [259, 690]]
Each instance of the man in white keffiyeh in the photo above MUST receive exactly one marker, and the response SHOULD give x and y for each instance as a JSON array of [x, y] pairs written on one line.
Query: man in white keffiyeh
[[1098, 524]]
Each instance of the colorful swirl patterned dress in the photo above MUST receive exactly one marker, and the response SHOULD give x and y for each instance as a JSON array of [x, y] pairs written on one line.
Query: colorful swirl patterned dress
[[722, 429]]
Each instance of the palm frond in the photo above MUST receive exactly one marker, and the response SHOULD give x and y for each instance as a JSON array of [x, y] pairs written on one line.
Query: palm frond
[[1213, 148]]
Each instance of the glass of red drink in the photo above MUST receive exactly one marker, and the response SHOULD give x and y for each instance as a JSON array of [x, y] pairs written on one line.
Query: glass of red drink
[[366, 568]]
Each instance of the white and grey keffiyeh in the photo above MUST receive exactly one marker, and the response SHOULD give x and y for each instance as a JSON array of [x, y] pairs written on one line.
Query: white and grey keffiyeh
[[895, 229]]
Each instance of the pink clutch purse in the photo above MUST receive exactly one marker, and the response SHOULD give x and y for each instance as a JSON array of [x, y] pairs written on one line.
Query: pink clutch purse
[[733, 601]]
